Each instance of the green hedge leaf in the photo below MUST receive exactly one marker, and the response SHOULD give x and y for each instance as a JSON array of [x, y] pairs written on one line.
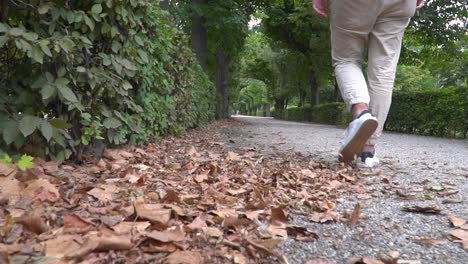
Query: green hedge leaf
[[112, 122], [97, 9], [60, 123], [46, 129], [10, 132], [28, 124]]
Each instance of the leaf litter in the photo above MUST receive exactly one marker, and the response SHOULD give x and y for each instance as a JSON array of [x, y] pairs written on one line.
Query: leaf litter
[[181, 200]]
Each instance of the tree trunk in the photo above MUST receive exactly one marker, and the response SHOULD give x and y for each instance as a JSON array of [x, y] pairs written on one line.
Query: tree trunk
[[164, 4], [302, 98], [222, 81], [199, 34], [314, 98], [279, 104], [337, 92]]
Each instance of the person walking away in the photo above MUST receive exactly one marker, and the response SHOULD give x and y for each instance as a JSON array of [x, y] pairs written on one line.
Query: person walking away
[[357, 26]]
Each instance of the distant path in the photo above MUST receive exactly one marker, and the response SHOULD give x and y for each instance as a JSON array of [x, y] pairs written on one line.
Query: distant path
[[412, 162]]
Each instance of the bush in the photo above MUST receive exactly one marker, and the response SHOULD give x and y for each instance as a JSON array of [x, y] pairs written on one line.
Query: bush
[[431, 112], [73, 73], [332, 114]]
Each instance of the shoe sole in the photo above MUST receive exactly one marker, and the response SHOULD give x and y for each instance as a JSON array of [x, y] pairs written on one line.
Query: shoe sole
[[351, 151]]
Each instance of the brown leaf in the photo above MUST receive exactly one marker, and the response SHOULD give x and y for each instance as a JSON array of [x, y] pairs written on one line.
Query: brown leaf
[[74, 223], [422, 209], [308, 173], [171, 197], [200, 178], [11, 188], [456, 222], [50, 167], [429, 242], [198, 223], [95, 242], [267, 250], [42, 189], [130, 227], [460, 234], [231, 156], [363, 261], [334, 184], [239, 258], [173, 234], [63, 245], [33, 223], [278, 230], [155, 213], [184, 257], [301, 233], [355, 215], [278, 215], [6, 170], [103, 195], [212, 231]]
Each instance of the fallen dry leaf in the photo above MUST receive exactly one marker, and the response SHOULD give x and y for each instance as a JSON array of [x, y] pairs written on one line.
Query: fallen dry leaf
[[429, 242], [75, 224], [462, 237], [33, 223], [212, 231], [63, 245], [6, 170], [130, 227], [278, 215], [154, 213], [422, 209], [355, 215], [456, 222], [184, 257], [173, 234]]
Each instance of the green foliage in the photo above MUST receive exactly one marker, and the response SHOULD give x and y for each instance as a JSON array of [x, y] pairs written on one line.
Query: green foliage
[[25, 162], [331, 114], [427, 112], [414, 78], [433, 112], [91, 70]]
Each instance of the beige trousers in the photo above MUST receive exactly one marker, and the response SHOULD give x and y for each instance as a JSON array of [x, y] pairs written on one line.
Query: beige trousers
[[377, 25]]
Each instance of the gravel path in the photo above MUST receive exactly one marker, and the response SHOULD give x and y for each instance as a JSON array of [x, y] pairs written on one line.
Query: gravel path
[[409, 162]]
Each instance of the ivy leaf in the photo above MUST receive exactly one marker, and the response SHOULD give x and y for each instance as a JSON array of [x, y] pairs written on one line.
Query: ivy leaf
[[28, 124], [64, 90], [6, 160], [139, 41], [31, 36], [112, 122], [25, 163], [10, 132], [97, 9], [3, 27], [89, 22], [60, 123], [3, 40], [37, 55], [46, 129], [143, 56], [47, 91], [43, 9], [16, 32], [45, 48]]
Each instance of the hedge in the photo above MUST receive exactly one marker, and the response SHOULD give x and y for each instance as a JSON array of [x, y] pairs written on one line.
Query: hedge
[[74, 73], [441, 113]]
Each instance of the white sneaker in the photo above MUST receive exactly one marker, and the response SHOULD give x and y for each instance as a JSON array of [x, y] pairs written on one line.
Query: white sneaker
[[368, 160], [358, 132]]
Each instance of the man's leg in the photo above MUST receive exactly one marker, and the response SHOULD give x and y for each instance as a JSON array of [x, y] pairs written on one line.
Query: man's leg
[[351, 22], [384, 51]]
